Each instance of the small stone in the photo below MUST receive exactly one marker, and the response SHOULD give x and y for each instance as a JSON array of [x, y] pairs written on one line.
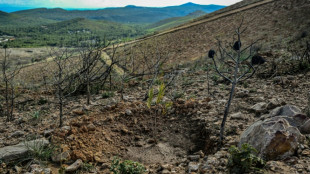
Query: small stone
[[194, 157], [165, 171], [78, 112], [47, 171], [306, 152], [18, 169], [151, 141], [75, 166], [308, 169], [66, 128], [200, 153], [91, 127], [242, 93], [237, 116], [193, 167], [259, 108], [299, 166], [37, 169], [60, 157], [275, 102], [48, 132], [126, 98], [18, 134], [128, 112]]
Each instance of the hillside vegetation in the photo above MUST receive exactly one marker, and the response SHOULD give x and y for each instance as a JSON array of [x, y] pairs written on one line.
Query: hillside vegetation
[[16, 21], [128, 14], [59, 27], [71, 33]]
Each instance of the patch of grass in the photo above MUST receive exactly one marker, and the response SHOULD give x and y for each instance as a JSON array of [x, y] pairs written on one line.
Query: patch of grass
[[126, 167], [176, 95], [244, 160], [253, 90], [215, 78], [245, 85], [107, 94], [35, 115], [41, 153], [42, 101]]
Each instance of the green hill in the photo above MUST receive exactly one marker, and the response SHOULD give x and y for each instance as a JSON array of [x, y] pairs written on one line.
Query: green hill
[[71, 32], [14, 20], [128, 14]]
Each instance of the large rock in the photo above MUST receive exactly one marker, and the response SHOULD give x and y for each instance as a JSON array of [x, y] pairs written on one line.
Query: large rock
[[287, 110], [291, 113], [274, 138], [10, 153]]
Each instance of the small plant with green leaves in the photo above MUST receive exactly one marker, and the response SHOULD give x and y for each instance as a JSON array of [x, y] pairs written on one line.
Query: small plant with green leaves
[[36, 115], [159, 98], [86, 167], [161, 107], [126, 167], [244, 160], [176, 95], [42, 153]]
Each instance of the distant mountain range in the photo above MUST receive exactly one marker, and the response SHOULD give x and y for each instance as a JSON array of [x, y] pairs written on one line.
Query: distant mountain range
[[51, 27], [128, 14]]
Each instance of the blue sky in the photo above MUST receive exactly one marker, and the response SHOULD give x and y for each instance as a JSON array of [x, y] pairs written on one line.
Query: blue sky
[[105, 3]]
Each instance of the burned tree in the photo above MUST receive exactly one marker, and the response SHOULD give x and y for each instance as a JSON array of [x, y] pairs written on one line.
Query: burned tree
[[9, 73], [95, 69], [64, 76], [238, 68]]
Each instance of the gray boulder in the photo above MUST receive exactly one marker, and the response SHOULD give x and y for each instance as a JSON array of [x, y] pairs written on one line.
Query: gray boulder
[[11, 153], [291, 113], [274, 138], [305, 128], [287, 110]]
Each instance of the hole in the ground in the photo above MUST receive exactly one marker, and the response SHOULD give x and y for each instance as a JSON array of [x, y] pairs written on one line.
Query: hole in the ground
[[168, 142]]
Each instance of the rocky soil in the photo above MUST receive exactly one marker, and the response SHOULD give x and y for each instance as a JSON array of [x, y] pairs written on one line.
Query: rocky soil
[[185, 140]]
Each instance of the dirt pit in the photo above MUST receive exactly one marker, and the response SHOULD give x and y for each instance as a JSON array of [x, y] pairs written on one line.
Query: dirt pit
[[132, 131]]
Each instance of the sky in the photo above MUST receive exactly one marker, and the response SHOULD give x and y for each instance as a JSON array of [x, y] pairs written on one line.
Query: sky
[[105, 3]]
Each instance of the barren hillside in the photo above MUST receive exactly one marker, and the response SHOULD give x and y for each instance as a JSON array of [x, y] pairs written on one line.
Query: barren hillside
[[278, 23]]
